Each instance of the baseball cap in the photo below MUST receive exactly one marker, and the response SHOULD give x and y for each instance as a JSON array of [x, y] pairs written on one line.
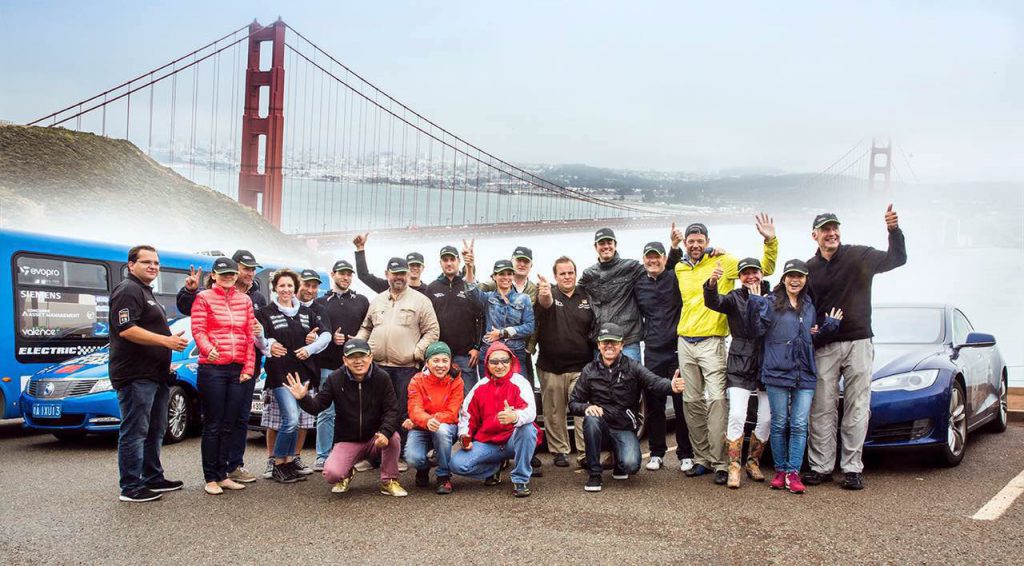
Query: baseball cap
[[523, 252], [748, 263], [823, 219], [310, 275], [696, 228], [449, 250], [502, 265], [224, 265], [397, 265], [342, 265], [245, 257], [610, 331], [604, 234], [654, 247], [795, 266], [355, 346], [414, 257]]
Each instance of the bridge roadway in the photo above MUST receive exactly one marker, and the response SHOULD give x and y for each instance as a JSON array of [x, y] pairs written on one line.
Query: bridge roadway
[[60, 506]]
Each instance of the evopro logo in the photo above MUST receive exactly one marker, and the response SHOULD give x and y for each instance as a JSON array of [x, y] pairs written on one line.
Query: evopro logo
[[39, 271]]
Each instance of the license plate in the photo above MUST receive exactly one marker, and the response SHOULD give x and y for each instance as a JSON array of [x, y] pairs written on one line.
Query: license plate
[[46, 411], [257, 407]]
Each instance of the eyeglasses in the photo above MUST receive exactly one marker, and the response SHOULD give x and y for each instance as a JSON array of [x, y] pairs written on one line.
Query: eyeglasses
[[499, 361]]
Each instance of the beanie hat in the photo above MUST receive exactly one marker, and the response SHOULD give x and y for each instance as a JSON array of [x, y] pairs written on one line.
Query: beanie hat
[[438, 348]]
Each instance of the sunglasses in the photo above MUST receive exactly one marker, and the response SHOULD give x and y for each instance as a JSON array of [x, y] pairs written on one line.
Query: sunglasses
[[499, 361]]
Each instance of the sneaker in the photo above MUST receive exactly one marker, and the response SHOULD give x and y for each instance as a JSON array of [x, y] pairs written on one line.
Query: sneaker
[[318, 464], [698, 470], [422, 478], [293, 469], [816, 478], [852, 480], [241, 475], [535, 462], [493, 480], [619, 475], [721, 477], [686, 464], [402, 466], [165, 485], [655, 463], [284, 474], [593, 483], [561, 461], [392, 488], [300, 467], [140, 495], [212, 488], [521, 490], [230, 484], [794, 484], [779, 481], [444, 485], [365, 465], [268, 472], [342, 486]]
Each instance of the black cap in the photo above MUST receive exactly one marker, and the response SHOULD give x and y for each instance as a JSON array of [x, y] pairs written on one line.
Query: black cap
[[449, 250], [604, 234], [224, 265], [696, 228], [823, 219], [310, 275], [502, 265], [610, 331], [342, 265], [414, 257], [355, 346], [245, 257], [795, 266], [654, 247], [748, 262], [397, 265], [523, 252]]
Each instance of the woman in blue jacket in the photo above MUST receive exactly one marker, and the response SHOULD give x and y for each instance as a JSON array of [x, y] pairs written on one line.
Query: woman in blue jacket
[[509, 313], [786, 319]]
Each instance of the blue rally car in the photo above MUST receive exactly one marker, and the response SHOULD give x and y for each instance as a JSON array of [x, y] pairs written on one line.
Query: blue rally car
[[935, 380]]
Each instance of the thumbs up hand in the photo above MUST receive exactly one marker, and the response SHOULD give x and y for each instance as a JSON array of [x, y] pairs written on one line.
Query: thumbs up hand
[[311, 337], [675, 236], [716, 274], [177, 342], [892, 220], [543, 285], [508, 415]]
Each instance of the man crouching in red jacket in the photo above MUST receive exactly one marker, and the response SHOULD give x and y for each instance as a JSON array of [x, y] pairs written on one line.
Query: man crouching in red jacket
[[496, 424]]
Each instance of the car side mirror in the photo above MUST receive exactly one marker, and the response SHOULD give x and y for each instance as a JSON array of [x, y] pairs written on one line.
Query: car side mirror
[[976, 340]]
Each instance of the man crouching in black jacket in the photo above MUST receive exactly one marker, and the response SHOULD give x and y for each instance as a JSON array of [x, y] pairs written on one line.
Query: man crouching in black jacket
[[367, 417], [607, 396]]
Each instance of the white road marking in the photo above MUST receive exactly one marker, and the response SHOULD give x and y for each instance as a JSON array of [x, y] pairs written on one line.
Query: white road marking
[[1002, 501]]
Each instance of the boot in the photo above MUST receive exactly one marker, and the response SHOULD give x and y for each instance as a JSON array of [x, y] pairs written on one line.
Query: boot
[[735, 451], [753, 464]]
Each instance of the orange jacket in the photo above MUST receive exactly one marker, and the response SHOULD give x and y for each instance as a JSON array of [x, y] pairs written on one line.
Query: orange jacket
[[440, 398]]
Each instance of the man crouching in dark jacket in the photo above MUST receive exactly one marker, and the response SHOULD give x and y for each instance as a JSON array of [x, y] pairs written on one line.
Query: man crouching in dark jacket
[[607, 396], [366, 417]]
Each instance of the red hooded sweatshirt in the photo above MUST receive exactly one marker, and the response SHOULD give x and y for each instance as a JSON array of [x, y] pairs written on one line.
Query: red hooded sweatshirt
[[479, 415]]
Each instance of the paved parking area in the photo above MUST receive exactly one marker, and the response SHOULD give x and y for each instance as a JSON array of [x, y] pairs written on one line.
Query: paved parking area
[[60, 506]]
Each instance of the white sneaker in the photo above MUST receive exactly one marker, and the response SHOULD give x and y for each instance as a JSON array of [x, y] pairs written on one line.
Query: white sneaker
[[268, 472], [654, 463], [363, 465], [402, 466], [686, 464]]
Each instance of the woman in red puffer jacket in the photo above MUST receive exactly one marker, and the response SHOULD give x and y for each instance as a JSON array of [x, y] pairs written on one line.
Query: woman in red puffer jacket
[[222, 326]]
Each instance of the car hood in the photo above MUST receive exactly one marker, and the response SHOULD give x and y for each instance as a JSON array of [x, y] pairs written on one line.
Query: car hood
[[891, 359], [89, 366]]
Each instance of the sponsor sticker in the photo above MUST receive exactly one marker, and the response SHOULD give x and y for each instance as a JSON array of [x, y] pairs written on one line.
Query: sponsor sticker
[[123, 317]]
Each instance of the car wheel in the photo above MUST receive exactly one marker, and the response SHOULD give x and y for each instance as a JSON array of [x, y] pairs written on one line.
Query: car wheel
[[999, 423], [69, 435], [178, 415], [952, 452]]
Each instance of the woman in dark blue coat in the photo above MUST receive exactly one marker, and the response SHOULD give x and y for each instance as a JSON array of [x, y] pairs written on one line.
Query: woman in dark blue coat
[[786, 319]]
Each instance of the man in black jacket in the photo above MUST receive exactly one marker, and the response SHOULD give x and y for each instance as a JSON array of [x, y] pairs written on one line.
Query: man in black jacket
[[458, 315], [368, 417], [607, 395], [841, 277], [609, 284]]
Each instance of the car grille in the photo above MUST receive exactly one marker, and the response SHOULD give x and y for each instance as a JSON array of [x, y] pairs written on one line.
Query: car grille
[[61, 388], [901, 432]]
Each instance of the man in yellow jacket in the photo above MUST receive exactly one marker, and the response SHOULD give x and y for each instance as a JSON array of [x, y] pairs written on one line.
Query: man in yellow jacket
[[701, 350]]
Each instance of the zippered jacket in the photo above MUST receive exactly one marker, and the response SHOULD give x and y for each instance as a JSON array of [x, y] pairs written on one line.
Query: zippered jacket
[[346, 311], [440, 398], [617, 390], [788, 347], [479, 415], [362, 408], [743, 366], [223, 320], [399, 331], [458, 314], [609, 284]]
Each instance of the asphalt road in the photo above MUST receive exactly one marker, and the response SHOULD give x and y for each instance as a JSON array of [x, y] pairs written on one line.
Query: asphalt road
[[59, 505]]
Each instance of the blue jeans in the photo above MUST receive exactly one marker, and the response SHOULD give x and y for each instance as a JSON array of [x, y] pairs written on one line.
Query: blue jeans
[[790, 408], [240, 431], [624, 444], [400, 378], [220, 395], [288, 434], [325, 425], [420, 441], [143, 406], [469, 374], [485, 459]]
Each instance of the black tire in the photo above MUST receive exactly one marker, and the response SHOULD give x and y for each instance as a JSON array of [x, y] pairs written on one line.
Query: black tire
[[951, 453], [69, 435], [179, 415], [999, 423]]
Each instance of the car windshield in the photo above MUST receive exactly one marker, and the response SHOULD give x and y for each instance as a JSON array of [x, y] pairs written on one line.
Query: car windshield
[[907, 325]]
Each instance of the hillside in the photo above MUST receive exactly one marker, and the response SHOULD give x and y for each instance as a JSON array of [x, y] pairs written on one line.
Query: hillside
[[79, 184]]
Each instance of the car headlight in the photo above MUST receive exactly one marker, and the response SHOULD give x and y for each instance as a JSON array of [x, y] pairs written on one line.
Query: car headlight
[[101, 386], [910, 381]]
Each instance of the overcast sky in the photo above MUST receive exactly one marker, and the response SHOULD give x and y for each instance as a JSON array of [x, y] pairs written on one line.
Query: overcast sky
[[676, 86]]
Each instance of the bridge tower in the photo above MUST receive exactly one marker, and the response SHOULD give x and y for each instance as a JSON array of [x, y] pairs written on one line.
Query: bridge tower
[[881, 163], [258, 189]]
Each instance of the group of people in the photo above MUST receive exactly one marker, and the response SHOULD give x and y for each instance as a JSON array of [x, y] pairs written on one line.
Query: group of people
[[440, 375]]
